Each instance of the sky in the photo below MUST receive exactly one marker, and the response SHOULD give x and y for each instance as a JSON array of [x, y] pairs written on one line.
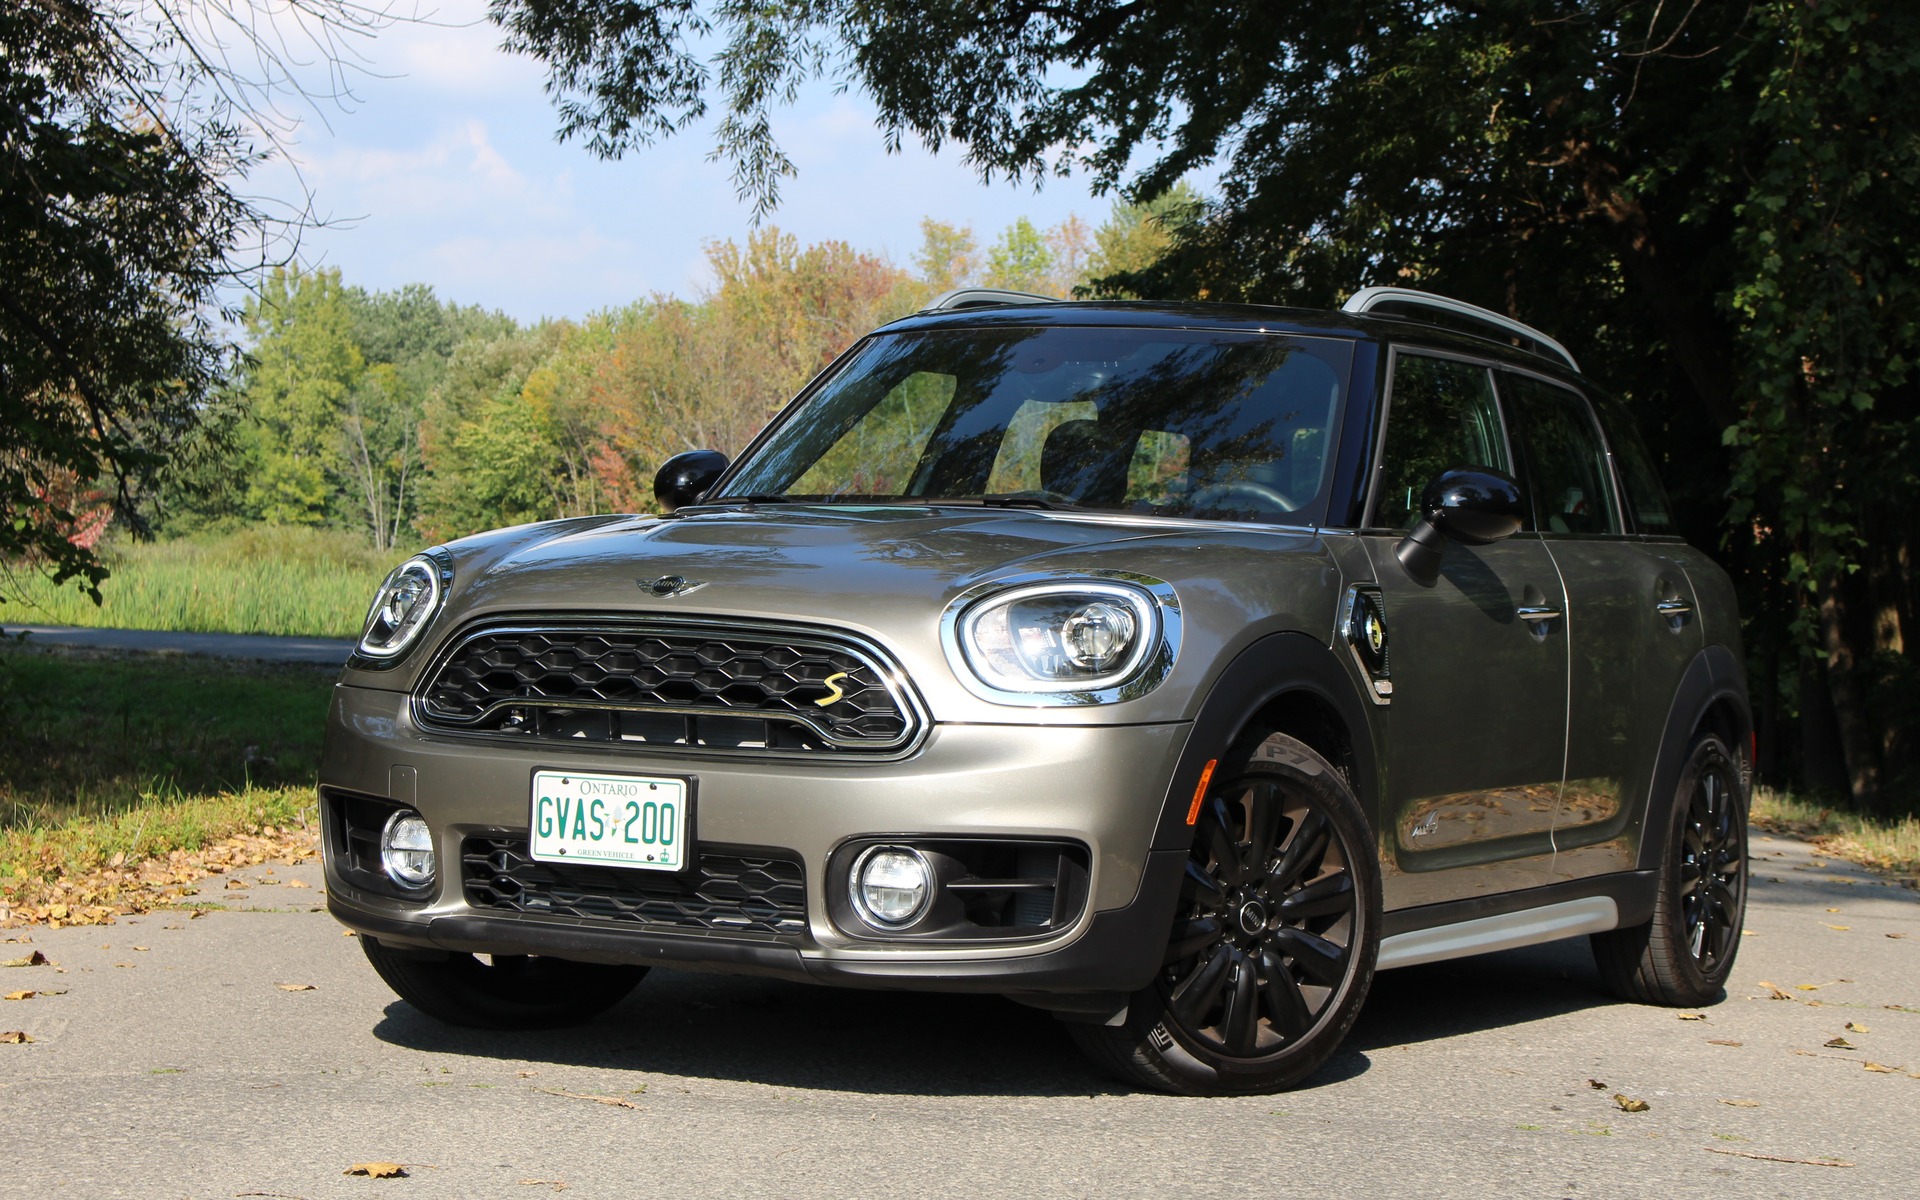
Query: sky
[[445, 170]]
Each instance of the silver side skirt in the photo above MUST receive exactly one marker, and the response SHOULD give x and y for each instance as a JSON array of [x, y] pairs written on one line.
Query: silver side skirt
[[1595, 914]]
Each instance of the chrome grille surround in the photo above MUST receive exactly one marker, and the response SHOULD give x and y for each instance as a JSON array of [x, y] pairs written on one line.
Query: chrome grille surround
[[680, 683]]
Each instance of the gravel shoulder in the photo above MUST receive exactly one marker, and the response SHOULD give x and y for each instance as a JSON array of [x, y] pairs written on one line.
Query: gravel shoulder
[[169, 1060]]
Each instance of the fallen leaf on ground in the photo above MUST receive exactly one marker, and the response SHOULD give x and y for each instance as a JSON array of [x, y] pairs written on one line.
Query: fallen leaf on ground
[[377, 1170], [1840, 928], [1857, 1027], [23, 994], [1808, 987], [1723, 1042], [296, 883], [1627, 1103], [1833, 910], [234, 885], [295, 987], [614, 1101], [1693, 1016], [1882, 1068], [14, 1037], [36, 959], [1805, 1162], [1896, 935], [346, 933], [1596, 1085], [142, 949], [1740, 1103], [1840, 1043], [123, 964]]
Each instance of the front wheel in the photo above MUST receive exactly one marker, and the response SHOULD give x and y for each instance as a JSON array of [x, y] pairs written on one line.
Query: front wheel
[[1273, 942], [507, 992], [1682, 957]]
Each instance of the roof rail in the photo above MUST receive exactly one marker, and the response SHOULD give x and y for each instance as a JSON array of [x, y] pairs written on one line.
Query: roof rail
[[978, 297], [1374, 299]]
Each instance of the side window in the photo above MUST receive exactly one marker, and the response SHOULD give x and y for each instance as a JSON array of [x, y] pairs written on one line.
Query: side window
[[1566, 460], [1440, 415], [1644, 494]]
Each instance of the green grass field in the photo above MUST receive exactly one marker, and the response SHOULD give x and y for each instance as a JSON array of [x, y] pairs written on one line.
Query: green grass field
[[267, 579], [142, 755]]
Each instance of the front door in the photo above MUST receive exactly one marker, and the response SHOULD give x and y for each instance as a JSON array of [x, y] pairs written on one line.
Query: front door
[[1476, 731]]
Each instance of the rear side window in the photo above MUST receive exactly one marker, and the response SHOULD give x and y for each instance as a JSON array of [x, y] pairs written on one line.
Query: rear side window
[[1566, 461], [1651, 510], [1440, 414]]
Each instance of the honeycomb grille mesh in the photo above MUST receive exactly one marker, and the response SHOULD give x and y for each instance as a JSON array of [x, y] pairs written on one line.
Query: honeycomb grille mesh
[[718, 688], [744, 893]]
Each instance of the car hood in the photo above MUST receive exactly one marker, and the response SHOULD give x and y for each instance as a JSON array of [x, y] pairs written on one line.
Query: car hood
[[887, 572]]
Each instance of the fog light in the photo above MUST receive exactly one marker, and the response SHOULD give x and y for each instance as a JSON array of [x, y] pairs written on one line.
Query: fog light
[[406, 849], [891, 886]]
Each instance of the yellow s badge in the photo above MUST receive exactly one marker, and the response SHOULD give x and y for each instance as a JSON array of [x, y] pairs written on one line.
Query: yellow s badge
[[834, 693]]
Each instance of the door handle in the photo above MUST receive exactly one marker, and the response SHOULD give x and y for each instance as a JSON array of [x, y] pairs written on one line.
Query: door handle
[[1673, 610], [1537, 612]]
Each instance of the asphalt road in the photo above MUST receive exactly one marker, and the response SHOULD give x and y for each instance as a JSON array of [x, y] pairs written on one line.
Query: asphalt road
[[172, 1064], [263, 647]]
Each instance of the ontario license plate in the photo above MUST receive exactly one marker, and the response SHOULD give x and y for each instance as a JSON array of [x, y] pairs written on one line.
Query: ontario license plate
[[610, 820]]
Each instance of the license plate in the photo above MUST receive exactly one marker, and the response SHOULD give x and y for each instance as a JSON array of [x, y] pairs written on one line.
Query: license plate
[[610, 820]]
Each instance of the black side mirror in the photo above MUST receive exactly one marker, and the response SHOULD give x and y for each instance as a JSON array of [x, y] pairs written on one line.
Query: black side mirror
[[683, 478], [1472, 505]]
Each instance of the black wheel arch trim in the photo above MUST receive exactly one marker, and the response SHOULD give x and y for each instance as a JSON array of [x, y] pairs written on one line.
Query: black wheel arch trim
[[1269, 669], [1714, 677]]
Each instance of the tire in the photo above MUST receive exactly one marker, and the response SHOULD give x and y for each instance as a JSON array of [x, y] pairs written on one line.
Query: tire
[[510, 992], [1682, 957], [1273, 942]]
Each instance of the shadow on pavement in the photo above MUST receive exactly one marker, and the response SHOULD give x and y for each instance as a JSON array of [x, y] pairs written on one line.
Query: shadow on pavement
[[909, 1043]]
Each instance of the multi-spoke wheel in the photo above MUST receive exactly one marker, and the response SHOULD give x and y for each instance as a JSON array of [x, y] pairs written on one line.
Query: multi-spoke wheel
[[1274, 940], [1684, 954], [505, 992]]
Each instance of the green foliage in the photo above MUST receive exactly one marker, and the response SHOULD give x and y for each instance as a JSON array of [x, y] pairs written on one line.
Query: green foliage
[[1020, 259], [290, 580], [1136, 236], [114, 226]]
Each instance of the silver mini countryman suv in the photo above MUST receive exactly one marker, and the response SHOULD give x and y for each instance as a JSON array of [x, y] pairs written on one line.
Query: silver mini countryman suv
[[1173, 668]]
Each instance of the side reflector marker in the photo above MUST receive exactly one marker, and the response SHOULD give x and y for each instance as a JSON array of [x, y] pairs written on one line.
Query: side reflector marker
[[1200, 793]]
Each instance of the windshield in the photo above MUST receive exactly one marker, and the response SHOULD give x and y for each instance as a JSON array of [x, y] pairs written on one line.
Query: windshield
[[1171, 422]]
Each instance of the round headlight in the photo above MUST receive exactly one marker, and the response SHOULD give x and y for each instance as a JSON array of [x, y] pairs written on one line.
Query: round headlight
[[1059, 637], [891, 886], [406, 849], [401, 608]]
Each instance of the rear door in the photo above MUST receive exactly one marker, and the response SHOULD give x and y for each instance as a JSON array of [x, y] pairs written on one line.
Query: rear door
[[1475, 732], [1630, 633]]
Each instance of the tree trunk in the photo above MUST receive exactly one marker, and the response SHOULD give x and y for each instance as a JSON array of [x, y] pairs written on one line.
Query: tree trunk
[[1847, 658]]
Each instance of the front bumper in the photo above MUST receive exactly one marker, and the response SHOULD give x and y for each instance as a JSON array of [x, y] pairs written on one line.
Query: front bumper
[[1101, 786]]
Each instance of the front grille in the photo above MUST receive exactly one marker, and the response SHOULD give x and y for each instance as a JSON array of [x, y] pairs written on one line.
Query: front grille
[[672, 684], [738, 891]]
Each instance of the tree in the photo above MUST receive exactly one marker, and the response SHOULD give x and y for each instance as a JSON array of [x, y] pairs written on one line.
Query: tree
[[1710, 202], [124, 132], [300, 384], [948, 257], [1136, 236], [1020, 259]]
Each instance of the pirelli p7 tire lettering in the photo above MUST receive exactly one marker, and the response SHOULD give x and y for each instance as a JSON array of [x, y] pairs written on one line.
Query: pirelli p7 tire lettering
[[1273, 941], [508, 992], [1682, 957]]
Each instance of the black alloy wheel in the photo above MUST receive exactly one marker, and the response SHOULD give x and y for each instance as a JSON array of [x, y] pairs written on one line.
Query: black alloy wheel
[[1273, 942], [1683, 955]]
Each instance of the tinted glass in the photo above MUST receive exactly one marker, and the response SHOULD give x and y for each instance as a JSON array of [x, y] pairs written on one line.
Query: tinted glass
[[1566, 461], [1440, 415], [1173, 422], [1645, 496]]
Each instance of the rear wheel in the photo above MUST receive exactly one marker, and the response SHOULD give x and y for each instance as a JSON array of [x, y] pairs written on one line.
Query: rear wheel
[[1273, 942], [504, 991], [1682, 957]]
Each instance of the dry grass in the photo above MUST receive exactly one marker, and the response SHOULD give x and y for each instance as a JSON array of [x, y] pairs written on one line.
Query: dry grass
[[1891, 847]]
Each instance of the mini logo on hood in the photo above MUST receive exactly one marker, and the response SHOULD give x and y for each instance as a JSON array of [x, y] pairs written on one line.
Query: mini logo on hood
[[668, 586]]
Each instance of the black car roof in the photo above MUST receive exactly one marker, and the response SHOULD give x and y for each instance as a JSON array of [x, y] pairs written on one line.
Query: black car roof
[[1249, 318]]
